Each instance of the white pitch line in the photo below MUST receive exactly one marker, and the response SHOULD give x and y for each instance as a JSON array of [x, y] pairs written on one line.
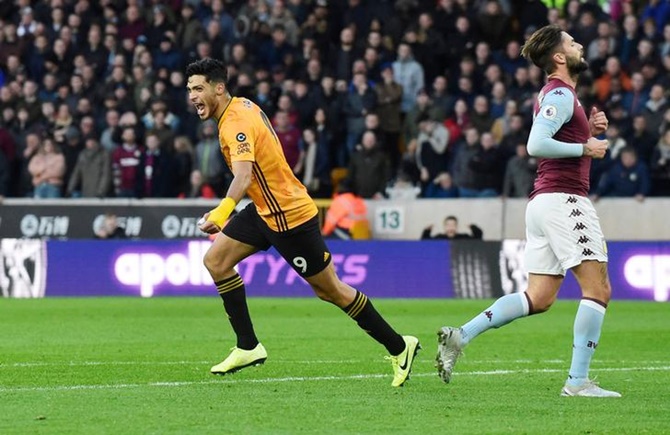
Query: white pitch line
[[306, 362], [305, 379]]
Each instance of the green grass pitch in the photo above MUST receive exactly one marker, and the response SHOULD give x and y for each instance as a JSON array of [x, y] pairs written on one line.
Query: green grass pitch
[[110, 366]]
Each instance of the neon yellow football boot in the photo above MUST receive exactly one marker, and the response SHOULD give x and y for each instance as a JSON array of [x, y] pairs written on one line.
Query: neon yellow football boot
[[402, 364], [239, 359]]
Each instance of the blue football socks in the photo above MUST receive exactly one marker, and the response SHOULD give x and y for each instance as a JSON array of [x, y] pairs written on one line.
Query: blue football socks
[[503, 311], [588, 323]]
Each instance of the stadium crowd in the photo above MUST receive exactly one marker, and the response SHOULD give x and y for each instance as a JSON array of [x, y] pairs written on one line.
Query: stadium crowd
[[424, 98]]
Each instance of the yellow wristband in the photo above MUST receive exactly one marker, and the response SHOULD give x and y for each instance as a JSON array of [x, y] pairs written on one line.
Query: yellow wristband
[[220, 214]]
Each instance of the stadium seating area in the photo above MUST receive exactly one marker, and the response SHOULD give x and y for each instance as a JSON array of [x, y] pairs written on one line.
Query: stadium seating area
[[407, 98]]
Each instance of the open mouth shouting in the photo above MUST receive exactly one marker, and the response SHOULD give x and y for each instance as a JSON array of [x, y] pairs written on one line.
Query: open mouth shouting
[[200, 109]]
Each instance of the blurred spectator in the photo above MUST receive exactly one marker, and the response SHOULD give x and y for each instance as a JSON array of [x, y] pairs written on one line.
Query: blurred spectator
[[403, 188], [285, 104], [345, 211], [369, 168], [9, 44], [628, 177], [71, 147], [360, 101], [664, 46], [4, 175], [409, 74], [47, 168], [458, 121], [92, 175], [271, 53], [198, 188], [440, 95], [480, 118], [27, 25], [167, 56], [183, 164], [133, 25], [163, 132], [7, 145], [126, 167], [423, 107], [509, 130], [463, 175], [655, 109], [371, 123], [665, 124], [289, 137], [462, 40], [641, 139], [520, 174], [189, 29], [343, 55], [659, 12], [613, 70], [109, 228], [598, 53], [476, 68], [24, 186], [498, 101], [324, 131], [209, 161], [107, 138], [494, 24], [432, 155], [304, 103], [522, 90], [159, 24], [441, 186], [389, 96], [628, 38], [280, 14], [450, 227], [478, 166], [636, 99], [660, 166], [156, 170], [315, 164], [488, 165]]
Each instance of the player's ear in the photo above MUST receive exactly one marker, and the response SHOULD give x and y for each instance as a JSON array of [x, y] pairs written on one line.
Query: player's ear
[[220, 89], [559, 57]]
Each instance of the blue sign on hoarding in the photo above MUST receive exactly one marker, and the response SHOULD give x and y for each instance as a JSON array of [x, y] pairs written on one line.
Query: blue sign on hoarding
[[398, 269], [165, 268]]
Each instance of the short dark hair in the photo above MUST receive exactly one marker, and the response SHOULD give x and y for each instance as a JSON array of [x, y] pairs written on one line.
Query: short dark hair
[[214, 70], [451, 218], [542, 45]]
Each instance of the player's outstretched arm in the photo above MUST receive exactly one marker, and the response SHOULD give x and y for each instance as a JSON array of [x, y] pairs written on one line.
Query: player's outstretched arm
[[213, 221]]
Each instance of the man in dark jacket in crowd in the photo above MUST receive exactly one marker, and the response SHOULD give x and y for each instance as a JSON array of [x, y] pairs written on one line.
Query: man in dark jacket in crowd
[[627, 178], [451, 231], [369, 168], [92, 174]]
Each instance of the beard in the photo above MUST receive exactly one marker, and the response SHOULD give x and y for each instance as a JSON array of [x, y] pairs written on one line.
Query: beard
[[577, 66]]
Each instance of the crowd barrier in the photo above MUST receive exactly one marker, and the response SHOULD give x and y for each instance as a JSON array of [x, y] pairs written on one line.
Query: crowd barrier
[[621, 218], [382, 269]]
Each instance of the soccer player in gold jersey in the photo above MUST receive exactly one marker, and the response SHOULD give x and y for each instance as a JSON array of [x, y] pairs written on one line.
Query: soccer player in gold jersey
[[281, 214]]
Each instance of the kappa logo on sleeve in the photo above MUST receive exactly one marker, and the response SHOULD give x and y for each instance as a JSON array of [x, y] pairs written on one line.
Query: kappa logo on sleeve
[[549, 112], [558, 92], [241, 137]]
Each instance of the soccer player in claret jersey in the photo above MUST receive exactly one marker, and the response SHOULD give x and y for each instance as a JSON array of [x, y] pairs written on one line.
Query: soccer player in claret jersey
[[562, 228], [281, 215]]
